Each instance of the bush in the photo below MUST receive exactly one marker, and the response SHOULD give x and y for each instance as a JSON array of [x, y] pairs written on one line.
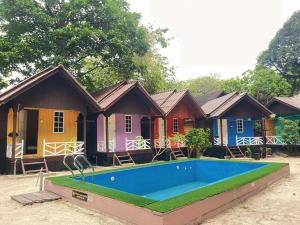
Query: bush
[[289, 131], [197, 140]]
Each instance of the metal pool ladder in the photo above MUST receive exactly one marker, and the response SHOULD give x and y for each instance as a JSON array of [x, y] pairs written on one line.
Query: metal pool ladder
[[78, 165]]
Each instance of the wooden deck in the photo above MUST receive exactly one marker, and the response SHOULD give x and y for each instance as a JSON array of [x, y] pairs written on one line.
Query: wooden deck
[[36, 197]]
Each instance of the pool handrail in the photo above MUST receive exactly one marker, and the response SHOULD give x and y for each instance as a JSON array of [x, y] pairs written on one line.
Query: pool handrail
[[66, 164], [80, 167]]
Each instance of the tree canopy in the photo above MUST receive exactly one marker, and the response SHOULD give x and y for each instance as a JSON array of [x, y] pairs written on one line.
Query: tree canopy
[[84, 35], [202, 85], [283, 53], [261, 83]]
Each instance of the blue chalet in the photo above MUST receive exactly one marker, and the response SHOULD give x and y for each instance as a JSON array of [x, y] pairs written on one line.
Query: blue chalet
[[236, 119]]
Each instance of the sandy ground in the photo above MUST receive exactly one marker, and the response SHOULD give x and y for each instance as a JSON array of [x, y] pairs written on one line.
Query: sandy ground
[[278, 204]]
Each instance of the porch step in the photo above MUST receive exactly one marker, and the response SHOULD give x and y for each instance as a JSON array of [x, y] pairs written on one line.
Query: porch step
[[234, 152], [177, 154], [123, 159], [25, 163]]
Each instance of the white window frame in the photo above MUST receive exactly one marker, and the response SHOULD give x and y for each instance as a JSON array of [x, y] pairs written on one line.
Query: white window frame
[[239, 126], [125, 124], [63, 122], [177, 123]]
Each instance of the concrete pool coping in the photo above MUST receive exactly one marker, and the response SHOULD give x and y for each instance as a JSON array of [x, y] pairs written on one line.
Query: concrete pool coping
[[190, 214]]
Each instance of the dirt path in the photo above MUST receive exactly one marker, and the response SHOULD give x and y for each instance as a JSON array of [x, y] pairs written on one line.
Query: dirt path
[[278, 204]]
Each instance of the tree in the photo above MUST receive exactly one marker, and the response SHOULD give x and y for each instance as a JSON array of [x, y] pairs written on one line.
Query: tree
[[261, 83], [203, 85], [152, 69], [283, 53], [289, 131], [3, 83], [197, 140], [37, 33], [155, 74]]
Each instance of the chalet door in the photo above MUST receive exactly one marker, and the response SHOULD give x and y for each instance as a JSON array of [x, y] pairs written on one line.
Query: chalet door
[[31, 118], [145, 128]]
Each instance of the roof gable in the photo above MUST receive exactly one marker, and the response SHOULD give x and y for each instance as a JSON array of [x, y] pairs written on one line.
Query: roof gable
[[109, 96], [42, 76], [168, 100], [291, 102], [221, 105]]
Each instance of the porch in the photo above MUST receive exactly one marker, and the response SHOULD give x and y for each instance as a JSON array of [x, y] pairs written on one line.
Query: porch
[[52, 157], [248, 141]]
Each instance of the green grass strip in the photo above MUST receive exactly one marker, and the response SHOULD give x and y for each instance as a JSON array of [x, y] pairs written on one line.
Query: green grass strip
[[175, 202], [99, 190]]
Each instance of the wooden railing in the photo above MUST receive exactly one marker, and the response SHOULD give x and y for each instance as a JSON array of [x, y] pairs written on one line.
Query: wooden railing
[[162, 143], [274, 140], [217, 141], [137, 144], [62, 148], [249, 141], [19, 151], [101, 147]]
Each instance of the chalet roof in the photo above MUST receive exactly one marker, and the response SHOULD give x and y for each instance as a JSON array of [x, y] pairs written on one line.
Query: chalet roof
[[169, 99], [37, 78], [292, 102], [209, 96], [219, 106], [108, 96]]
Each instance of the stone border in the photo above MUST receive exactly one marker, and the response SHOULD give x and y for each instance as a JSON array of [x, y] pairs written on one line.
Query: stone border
[[191, 214]]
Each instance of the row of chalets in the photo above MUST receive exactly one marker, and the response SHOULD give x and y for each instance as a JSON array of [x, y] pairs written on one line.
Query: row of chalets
[[50, 115]]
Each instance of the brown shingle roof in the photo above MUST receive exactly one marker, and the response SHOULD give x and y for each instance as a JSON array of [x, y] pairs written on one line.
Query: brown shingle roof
[[209, 96], [217, 107], [108, 96], [293, 102], [168, 100], [212, 105], [43, 75]]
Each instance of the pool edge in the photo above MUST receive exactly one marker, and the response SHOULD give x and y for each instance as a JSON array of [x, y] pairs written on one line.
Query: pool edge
[[190, 214]]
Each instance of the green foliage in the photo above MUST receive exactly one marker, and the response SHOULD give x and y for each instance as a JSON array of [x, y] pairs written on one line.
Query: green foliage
[[178, 138], [284, 52], [289, 131], [261, 83], [84, 35], [3, 83], [197, 139], [203, 85]]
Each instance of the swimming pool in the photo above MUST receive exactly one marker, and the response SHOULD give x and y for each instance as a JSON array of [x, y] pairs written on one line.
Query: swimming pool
[[161, 182]]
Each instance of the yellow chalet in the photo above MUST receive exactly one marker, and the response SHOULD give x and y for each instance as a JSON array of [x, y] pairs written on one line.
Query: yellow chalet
[[42, 119]]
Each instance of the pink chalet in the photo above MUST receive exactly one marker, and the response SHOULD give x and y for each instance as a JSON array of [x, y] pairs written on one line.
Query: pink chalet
[[126, 122]]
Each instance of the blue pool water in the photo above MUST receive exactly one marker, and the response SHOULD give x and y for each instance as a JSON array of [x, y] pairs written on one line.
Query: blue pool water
[[160, 182]]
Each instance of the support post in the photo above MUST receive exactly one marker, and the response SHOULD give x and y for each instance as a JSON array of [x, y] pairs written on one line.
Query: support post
[[151, 121], [165, 131], [14, 137], [264, 131], [14, 140], [221, 130], [106, 134], [85, 133]]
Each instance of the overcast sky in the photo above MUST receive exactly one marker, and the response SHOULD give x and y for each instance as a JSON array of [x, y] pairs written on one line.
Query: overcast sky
[[215, 36]]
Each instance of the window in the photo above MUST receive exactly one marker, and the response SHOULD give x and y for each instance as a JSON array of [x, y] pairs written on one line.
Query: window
[[175, 125], [239, 126], [128, 124], [58, 122]]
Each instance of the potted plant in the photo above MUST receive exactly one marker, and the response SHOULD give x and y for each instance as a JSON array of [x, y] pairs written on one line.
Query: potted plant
[[197, 141]]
